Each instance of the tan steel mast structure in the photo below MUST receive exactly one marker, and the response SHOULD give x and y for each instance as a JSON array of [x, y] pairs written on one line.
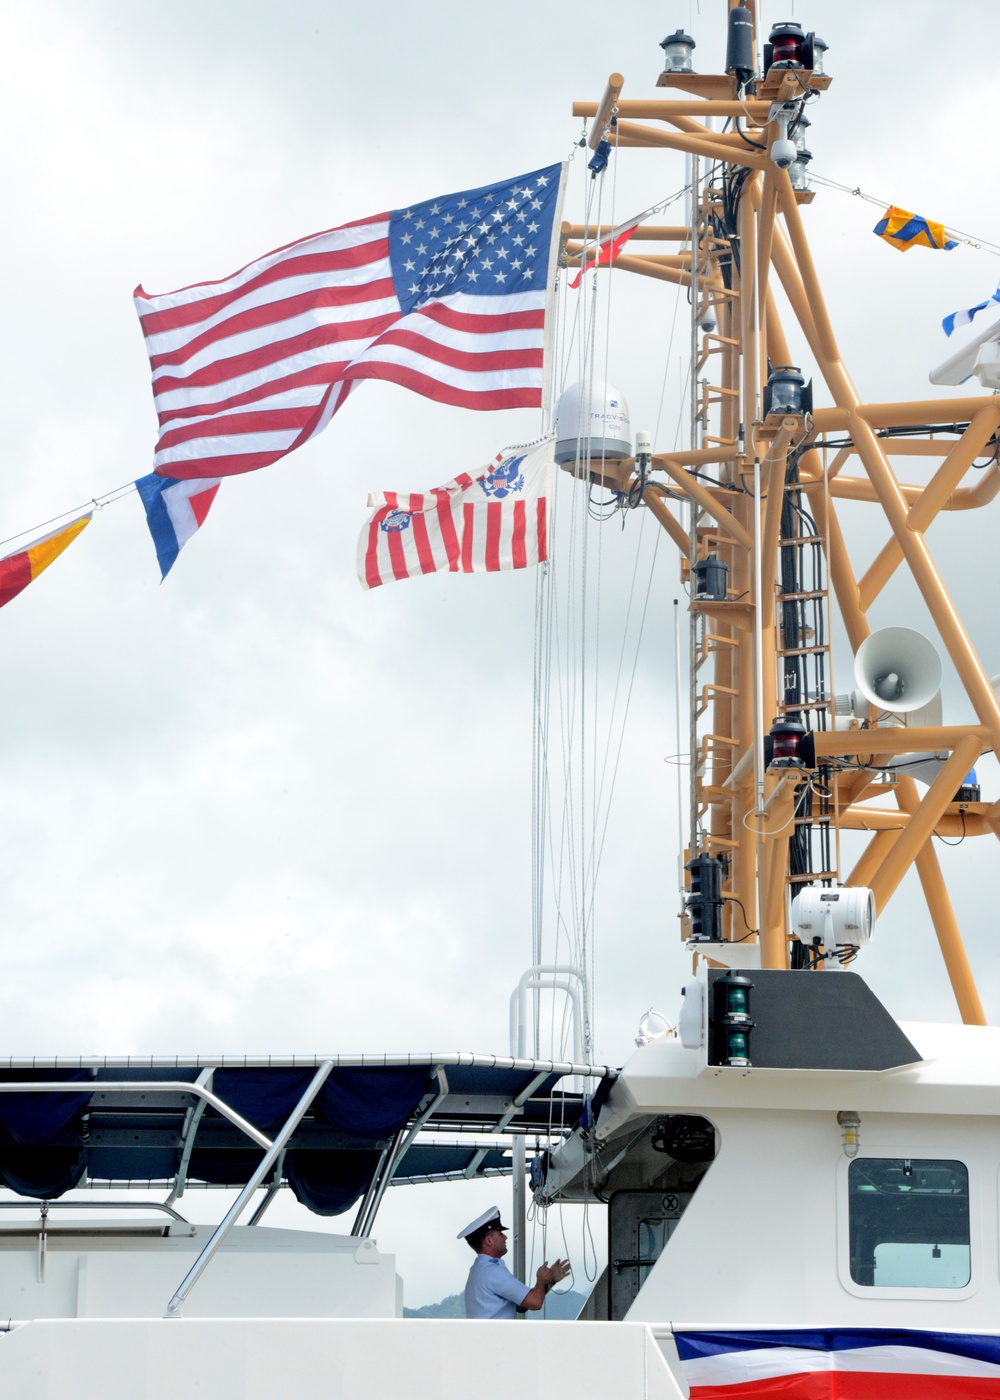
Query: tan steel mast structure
[[747, 822]]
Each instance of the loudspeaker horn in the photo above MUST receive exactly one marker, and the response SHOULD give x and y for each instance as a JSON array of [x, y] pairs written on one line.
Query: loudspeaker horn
[[898, 669]]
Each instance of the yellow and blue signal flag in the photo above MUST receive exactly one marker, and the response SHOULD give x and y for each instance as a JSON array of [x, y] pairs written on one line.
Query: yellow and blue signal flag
[[904, 230]]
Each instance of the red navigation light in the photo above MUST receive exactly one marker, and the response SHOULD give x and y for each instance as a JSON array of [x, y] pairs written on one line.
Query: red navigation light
[[787, 40], [789, 739]]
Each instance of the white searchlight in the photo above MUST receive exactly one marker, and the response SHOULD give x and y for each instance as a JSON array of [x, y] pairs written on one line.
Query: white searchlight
[[898, 669], [842, 916]]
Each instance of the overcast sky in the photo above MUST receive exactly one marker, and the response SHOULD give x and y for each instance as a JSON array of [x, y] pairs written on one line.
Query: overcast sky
[[258, 809]]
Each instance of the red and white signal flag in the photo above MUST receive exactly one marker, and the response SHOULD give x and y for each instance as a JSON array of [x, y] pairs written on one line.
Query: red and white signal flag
[[496, 520], [605, 252]]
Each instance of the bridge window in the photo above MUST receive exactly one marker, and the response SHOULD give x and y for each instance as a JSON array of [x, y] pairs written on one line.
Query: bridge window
[[909, 1223]]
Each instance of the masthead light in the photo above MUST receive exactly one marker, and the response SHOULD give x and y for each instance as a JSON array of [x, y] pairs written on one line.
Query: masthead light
[[677, 49], [787, 393]]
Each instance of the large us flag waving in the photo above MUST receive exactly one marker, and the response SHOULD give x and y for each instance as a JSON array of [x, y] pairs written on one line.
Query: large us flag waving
[[447, 297]]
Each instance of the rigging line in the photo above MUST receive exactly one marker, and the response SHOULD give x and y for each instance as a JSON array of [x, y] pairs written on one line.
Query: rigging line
[[581, 891], [537, 814], [614, 703], [670, 350], [579, 885], [628, 698], [969, 239], [589, 912], [118, 494], [589, 248], [561, 640]]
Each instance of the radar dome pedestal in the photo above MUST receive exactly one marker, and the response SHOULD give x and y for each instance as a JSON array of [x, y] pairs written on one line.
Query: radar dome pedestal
[[592, 420]]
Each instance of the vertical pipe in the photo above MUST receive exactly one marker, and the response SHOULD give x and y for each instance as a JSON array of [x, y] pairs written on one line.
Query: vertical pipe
[[758, 590], [518, 1194], [749, 720], [677, 741], [693, 841]]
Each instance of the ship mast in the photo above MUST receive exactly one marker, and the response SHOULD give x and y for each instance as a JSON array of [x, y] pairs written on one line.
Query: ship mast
[[777, 778]]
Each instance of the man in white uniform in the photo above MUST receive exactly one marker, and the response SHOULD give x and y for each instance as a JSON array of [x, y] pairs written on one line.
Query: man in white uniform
[[492, 1290]]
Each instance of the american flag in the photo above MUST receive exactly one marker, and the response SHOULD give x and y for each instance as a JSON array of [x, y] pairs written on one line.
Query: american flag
[[475, 524], [447, 297]]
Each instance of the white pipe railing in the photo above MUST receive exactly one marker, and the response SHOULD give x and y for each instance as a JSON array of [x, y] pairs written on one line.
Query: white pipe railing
[[239, 1205], [148, 1086], [561, 977]]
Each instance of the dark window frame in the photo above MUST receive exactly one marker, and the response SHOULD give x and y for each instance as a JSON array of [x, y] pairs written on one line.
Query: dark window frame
[[902, 1200]]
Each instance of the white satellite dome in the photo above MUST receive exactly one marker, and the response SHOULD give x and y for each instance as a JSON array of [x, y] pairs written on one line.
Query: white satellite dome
[[592, 420]]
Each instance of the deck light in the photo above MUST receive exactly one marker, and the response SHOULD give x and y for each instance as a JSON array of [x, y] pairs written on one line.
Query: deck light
[[786, 40], [652, 1027], [850, 1124], [704, 903], [711, 578], [677, 49], [729, 1021]]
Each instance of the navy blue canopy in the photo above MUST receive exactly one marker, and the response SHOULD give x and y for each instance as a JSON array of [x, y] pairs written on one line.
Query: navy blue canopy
[[51, 1142]]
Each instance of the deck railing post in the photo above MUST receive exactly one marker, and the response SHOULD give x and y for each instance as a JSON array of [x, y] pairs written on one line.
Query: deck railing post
[[243, 1199]]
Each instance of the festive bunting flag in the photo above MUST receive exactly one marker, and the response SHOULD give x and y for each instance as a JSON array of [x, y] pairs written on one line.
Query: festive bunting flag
[[839, 1364], [22, 567], [904, 230], [175, 510], [497, 520], [447, 298], [965, 318], [607, 251]]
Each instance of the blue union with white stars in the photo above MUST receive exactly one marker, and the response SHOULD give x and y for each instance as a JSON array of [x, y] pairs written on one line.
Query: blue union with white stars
[[487, 242]]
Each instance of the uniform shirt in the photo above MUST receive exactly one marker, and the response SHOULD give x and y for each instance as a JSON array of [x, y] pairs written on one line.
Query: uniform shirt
[[492, 1290]]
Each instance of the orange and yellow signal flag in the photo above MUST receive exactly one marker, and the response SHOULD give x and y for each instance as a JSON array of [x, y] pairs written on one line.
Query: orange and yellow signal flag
[[904, 230], [19, 569]]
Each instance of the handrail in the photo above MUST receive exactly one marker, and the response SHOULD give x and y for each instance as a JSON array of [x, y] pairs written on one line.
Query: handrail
[[467, 1059], [95, 1205], [189, 1132], [399, 1150], [550, 977], [152, 1086], [236, 1209]]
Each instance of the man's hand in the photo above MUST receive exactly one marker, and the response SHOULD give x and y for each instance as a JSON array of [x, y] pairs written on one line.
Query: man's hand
[[548, 1275], [545, 1278]]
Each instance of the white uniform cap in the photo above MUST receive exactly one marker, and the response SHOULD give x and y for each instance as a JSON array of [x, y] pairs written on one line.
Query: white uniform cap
[[491, 1216]]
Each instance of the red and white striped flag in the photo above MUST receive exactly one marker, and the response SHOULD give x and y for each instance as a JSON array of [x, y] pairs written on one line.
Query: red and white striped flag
[[447, 298], [605, 252], [497, 520]]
